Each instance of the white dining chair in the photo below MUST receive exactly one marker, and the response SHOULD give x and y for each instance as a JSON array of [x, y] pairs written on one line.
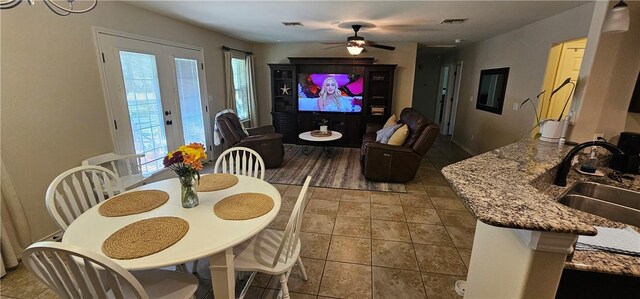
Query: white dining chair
[[128, 168], [74, 272], [274, 252], [237, 160], [241, 161], [78, 189]]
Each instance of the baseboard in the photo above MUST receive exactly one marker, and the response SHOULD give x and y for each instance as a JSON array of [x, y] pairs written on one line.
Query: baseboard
[[464, 148]]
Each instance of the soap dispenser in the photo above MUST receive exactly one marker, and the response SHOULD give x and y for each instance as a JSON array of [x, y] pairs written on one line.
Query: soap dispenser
[[591, 165]]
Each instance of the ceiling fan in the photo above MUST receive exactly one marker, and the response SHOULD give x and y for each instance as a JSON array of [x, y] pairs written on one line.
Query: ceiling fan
[[356, 44]]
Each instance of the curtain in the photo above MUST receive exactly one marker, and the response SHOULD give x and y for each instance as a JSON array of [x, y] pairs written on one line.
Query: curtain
[[16, 233], [251, 85], [230, 99], [230, 102]]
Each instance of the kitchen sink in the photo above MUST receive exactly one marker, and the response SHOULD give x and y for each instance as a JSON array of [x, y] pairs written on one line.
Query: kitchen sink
[[611, 194], [613, 203]]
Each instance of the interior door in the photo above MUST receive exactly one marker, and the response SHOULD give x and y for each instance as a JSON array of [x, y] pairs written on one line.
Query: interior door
[[442, 95], [454, 98], [450, 100], [568, 67], [155, 96]]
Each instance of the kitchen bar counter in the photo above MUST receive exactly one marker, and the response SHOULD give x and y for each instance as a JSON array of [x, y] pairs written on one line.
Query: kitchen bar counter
[[511, 187]]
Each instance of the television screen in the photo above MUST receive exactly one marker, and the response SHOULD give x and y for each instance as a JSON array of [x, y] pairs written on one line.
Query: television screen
[[330, 92]]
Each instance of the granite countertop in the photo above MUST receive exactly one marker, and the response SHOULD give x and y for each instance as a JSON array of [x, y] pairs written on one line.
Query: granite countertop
[[512, 187]]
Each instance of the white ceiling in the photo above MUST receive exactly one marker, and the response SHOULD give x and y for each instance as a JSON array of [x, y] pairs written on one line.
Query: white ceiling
[[396, 21]]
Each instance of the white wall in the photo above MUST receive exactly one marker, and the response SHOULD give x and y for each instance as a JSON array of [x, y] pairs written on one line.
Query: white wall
[[525, 52], [53, 110], [404, 56]]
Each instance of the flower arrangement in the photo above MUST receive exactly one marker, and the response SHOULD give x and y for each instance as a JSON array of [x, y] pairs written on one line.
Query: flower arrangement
[[186, 162]]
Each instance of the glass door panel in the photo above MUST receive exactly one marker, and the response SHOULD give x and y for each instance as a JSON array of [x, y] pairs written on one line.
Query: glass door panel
[[188, 84], [143, 98]]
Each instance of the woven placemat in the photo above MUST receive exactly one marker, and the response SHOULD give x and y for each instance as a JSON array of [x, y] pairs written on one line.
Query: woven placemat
[[243, 206], [145, 237], [135, 202], [216, 181]]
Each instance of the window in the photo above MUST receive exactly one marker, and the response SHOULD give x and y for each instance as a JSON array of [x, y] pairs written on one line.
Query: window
[[239, 70]]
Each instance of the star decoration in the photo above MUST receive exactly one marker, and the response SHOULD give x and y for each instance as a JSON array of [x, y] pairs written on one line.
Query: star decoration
[[285, 89]]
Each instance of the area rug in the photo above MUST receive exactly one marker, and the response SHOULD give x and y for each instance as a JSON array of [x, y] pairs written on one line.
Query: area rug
[[342, 170]]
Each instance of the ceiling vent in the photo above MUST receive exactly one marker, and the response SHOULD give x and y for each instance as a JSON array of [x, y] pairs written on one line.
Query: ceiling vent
[[290, 24], [453, 21]]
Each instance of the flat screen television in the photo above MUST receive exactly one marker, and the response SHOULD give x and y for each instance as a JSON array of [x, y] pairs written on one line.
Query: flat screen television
[[330, 92]]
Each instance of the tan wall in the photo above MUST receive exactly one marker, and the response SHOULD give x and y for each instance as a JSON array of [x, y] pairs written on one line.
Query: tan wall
[[604, 100], [53, 109], [524, 51], [404, 56], [426, 91], [633, 122]]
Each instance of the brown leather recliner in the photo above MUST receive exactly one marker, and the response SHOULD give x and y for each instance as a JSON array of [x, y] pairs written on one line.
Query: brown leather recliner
[[263, 140], [393, 163]]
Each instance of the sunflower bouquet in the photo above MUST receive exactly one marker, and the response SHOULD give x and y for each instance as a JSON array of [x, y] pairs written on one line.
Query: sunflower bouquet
[[186, 162]]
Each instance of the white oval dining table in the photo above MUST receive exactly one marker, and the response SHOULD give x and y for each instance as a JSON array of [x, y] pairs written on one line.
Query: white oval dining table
[[208, 235]]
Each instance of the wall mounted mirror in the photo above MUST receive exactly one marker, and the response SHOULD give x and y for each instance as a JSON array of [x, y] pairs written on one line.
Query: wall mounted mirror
[[493, 85]]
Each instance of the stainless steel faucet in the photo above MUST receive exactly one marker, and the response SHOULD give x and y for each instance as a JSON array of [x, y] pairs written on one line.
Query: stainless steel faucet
[[565, 166]]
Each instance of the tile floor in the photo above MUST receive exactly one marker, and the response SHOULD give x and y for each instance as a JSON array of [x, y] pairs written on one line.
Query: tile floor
[[359, 244]]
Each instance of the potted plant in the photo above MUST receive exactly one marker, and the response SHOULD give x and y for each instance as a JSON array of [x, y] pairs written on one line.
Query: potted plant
[[551, 129]]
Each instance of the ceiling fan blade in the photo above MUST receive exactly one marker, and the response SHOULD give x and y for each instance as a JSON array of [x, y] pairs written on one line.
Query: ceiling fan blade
[[379, 46], [333, 47]]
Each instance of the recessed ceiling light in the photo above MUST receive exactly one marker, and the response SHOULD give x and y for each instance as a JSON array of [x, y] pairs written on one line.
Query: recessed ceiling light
[[289, 24], [459, 41]]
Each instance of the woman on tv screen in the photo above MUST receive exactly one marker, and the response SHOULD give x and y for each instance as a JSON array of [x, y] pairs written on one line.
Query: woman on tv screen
[[330, 93], [329, 99]]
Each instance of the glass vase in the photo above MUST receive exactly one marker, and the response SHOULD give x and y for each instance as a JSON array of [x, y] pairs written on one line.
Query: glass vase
[[188, 193]]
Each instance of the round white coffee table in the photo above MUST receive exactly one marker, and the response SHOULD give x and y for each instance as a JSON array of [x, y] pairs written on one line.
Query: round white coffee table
[[328, 151]]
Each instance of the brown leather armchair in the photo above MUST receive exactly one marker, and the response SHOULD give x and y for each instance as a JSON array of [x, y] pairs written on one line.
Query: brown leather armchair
[[397, 163], [263, 140]]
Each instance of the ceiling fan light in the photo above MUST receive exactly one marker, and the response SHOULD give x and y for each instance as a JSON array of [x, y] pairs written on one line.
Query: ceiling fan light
[[355, 50], [617, 19]]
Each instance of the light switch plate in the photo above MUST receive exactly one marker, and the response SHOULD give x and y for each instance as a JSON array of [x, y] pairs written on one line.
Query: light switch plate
[[516, 106]]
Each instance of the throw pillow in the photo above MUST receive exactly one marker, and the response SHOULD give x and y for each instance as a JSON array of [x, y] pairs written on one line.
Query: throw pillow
[[399, 136], [392, 121], [384, 134]]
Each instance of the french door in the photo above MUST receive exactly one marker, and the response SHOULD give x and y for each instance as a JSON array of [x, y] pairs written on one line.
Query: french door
[[156, 96]]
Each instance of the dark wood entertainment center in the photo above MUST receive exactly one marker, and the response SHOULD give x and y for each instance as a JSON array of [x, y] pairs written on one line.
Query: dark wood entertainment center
[[289, 121]]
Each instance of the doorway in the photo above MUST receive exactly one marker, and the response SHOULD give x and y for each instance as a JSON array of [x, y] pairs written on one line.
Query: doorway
[[448, 101], [155, 96], [564, 63], [442, 94]]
